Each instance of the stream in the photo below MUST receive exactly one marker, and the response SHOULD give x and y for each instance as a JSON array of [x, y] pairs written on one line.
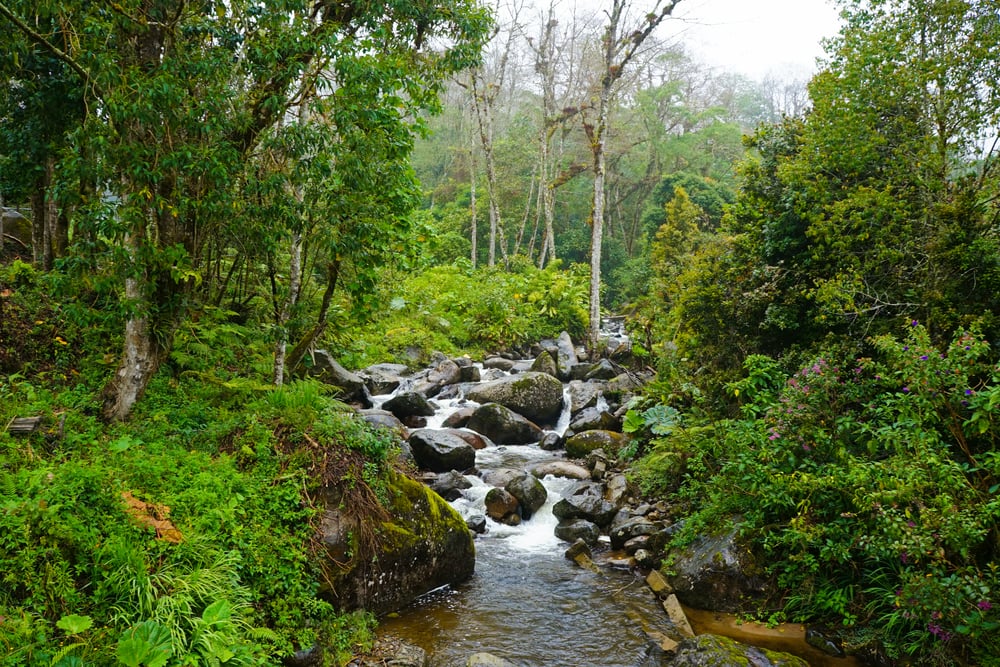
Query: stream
[[528, 604]]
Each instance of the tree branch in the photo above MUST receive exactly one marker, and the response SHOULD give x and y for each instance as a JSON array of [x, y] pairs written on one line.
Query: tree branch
[[51, 48]]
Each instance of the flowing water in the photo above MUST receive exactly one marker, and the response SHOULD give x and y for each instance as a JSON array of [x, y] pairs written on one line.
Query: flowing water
[[528, 604]]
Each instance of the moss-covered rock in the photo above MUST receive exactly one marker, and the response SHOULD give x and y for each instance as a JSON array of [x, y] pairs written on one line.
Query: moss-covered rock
[[716, 651], [537, 396], [582, 444], [421, 545]]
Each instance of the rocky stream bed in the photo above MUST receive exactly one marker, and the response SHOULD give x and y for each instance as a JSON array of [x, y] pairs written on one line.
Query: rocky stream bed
[[562, 567]]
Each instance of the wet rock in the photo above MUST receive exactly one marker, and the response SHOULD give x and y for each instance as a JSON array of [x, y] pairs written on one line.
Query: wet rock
[[565, 356], [459, 418], [825, 640], [716, 651], [551, 441], [635, 544], [616, 489], [602, 370], [589, 507], [544, 363], [645, 559], [326, 369], [658, 584], [430, 547], [504, 426], [449, 485], [582, 395], [487, 660], [625, 528], [536, 396], [393, 652], [498, 363], [676, 614], [476, 523], [500, 476], [470, 374], [578, 529], [581, 444], [441, 450], [445, 373], [530, 493], [307, 657], [591, 419], [560, 469], [477, 440], [717, 572], [578, 548], [501, 505], [383, 419], [384, 378], [408, 404]]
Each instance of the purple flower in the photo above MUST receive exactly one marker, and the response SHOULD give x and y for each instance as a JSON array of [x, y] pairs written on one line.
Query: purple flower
[[923, 357], [906, 390], [913, 323], [968, 392], [984, 605]]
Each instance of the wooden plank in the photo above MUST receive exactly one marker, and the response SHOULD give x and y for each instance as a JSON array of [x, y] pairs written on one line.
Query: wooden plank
[[24, 425]]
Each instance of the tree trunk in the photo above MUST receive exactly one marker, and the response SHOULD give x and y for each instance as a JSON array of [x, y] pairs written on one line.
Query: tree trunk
[[310, 339], [597, 232], [294, 275], [472, 206]]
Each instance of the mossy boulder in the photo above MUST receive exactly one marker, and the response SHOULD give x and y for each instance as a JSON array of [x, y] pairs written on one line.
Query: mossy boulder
[[504, 426], [718, 572], [381, 564], [536, 396], [716, 651], [441, 450], [582, 444]]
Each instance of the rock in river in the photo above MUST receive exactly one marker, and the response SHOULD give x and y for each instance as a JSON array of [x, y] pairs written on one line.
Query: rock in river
[[440, 450], [536, 396]]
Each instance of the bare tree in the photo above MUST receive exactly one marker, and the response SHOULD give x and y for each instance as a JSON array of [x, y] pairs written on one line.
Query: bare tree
[[622, 39]]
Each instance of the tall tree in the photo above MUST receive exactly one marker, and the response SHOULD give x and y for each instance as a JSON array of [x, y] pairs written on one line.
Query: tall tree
[[187, 90], [622, 40]]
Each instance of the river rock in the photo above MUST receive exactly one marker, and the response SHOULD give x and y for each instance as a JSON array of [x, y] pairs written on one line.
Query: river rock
[[676, 614], [551, 441], [441, 450], [326, 369], [602, 370], [384, 378], [565, 356], [459, 418], [536, 396], [616, 489], [392, 651], [476, 523], [445, 373], [716, 651], [408, 404], [560, 469], [477, 440], [501, 505], [498, 363], [504, 426], [544, 363], [500, 476], [425, 545], [530, 493], [449, 485], [592, 419], [716, 572], [582, 444], [582, 395], [590, 507], [625, 527], [383, 419], [487, 660], [578, 529]]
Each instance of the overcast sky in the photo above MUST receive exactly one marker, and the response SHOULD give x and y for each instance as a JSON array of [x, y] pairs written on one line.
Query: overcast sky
[[756, 37]]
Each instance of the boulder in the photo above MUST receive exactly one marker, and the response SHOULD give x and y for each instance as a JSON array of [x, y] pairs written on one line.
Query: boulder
[[602, 370], [504, 426], [551, 441], [565, 356], [502, 506], [459, 418], [530, 493], [476, 523], [592, 419], [445, 373], [487, 660], [16, 226], [384, 419], [441, 450], [449, 485], [560, 469], [615, 489], [716, 651], [717, 572], [424, 544], [582, 395], [384, 378], [500, 476], [408, 404], [544, 363], [475, 439], [498, 363], [536, 396], [572, 530], [326, 369], [392, 651], [577, 550], [582, 444], [625, 527], [585, 506]]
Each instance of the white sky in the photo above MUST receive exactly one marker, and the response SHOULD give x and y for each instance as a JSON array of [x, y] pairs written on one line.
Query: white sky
[[756, 37]]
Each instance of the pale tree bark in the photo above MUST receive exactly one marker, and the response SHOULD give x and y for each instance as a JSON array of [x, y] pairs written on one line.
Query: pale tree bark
[[474, 234], [619, 45]]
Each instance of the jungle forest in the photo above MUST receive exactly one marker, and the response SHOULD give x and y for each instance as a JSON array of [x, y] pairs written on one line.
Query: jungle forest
[[203, 200]]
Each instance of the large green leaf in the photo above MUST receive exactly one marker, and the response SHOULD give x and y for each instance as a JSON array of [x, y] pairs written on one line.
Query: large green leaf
[[146, 644]]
